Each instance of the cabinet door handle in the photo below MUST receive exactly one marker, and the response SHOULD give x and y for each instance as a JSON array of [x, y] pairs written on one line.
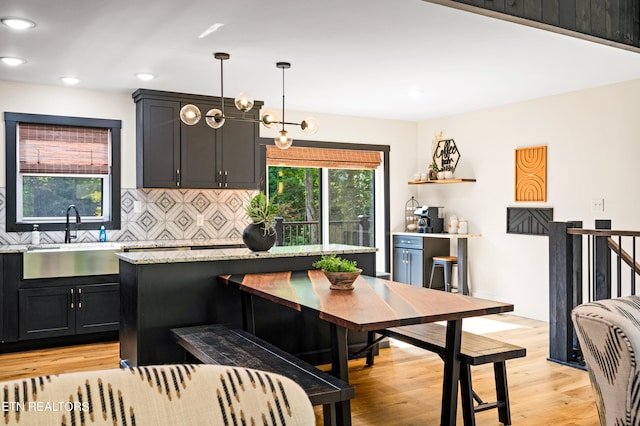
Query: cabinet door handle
[[80, 297], [219, 178], [72, 298], [225, 178], [178, 177]]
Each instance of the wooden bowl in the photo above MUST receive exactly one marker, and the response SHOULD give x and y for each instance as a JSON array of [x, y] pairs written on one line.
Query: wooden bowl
[[342, 280]]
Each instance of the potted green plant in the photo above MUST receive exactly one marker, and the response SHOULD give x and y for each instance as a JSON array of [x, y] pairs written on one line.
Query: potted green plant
[[340, 272], [433, 171], [260, 234]]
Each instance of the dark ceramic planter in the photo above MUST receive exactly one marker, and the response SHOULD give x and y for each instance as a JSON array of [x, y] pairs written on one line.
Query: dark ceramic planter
[[254, 238]]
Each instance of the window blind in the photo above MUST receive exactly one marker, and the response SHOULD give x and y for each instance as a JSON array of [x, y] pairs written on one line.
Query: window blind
[[63, 149], [324, 158]]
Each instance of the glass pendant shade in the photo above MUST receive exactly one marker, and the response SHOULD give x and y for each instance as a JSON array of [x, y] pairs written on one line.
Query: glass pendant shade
[[309, 126], [244, 102], [270, 119], [190, 114], [214, 118], [283, 140]]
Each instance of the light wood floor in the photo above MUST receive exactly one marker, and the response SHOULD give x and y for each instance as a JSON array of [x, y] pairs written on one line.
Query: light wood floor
[[404, 386]]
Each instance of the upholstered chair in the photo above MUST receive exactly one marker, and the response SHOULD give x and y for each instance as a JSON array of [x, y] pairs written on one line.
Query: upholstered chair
[[609, 335], [156, 395]]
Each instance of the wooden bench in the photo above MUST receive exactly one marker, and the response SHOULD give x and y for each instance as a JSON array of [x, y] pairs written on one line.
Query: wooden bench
[[218, 344], [475, 350]]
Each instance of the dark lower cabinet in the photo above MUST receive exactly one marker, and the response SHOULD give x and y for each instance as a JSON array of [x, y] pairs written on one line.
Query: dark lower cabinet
[[68, 310]]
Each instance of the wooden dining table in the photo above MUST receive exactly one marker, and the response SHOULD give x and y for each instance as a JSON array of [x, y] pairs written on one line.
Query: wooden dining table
[[374, 304]]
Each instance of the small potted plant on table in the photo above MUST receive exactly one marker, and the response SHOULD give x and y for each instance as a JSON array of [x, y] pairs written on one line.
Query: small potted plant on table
[[340, 272]]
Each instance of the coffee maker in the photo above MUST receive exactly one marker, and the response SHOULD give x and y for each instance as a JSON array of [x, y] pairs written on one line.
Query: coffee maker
[[429, 222]]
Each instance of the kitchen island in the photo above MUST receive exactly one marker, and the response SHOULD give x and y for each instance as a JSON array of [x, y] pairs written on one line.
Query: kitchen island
[[160, 290]]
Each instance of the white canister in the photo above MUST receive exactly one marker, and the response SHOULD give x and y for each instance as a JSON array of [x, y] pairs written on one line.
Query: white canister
[[463, 226], [453, 224]]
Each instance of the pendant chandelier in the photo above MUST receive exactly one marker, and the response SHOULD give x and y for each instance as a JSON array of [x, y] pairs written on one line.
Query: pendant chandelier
[[215, 118]]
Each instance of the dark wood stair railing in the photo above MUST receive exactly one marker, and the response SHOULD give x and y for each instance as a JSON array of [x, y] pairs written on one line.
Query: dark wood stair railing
[[574, 280]]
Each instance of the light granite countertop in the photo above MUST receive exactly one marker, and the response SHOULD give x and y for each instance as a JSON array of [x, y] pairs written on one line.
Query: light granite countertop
[[124, 245], [183, 256]]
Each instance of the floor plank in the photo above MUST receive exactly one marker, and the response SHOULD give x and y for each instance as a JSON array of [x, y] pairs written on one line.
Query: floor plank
[[403, 387]]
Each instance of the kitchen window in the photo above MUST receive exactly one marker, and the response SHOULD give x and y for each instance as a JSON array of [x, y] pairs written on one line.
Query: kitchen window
[[53, 162]]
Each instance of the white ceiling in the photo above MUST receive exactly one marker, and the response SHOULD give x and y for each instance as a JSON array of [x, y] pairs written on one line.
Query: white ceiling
[[356, 57]]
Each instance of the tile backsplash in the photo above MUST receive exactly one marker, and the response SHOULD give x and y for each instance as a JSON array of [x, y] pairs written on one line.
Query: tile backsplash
[[159, 214]]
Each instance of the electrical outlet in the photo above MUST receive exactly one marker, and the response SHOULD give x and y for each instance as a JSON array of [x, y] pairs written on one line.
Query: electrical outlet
[[137, 207], [597, 205], [199, 220]]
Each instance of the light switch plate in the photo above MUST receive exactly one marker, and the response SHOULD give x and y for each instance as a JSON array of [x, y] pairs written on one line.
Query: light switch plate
[[597, 205], [137, 207]]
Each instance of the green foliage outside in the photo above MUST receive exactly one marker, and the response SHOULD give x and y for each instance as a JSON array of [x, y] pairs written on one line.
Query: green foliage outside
[[49, 196], [351, 194], [296, 191]]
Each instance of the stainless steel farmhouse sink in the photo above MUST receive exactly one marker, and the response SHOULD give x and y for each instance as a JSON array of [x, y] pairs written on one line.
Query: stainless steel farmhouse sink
[[70, 260]]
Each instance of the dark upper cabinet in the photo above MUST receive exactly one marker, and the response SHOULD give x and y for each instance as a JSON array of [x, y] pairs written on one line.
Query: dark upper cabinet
[[158, 143], [238, 152], [171, 154]]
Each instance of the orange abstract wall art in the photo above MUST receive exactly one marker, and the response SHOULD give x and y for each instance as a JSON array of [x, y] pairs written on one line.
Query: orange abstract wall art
[[531, 174]]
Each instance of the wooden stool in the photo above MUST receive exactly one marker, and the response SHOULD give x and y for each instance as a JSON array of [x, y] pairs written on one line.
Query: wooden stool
[[447, 263]]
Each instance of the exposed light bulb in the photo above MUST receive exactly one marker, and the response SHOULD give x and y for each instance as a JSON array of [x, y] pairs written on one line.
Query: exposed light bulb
[[190, 114], [283, 140], [244, 102], [214, 118], [309, 126], [270, 119]]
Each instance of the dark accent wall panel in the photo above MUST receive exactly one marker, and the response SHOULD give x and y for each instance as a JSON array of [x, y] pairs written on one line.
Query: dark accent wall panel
[[528, 221], [606, 20]]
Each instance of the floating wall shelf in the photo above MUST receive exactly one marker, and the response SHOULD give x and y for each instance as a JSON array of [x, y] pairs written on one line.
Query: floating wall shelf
[[440, 181]]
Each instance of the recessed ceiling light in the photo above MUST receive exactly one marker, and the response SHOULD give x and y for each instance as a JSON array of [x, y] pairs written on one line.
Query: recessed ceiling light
[[12, 61], [416, 93], [145, 77], [70, 80], [17, 23]]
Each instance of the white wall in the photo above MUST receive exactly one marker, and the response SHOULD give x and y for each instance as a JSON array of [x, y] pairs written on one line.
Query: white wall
[[592, 140]]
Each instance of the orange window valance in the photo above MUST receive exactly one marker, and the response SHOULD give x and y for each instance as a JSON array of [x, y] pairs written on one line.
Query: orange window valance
[[323, 158]]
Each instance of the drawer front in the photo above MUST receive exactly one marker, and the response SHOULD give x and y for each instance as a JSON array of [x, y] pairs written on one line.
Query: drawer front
[[403, 241]]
